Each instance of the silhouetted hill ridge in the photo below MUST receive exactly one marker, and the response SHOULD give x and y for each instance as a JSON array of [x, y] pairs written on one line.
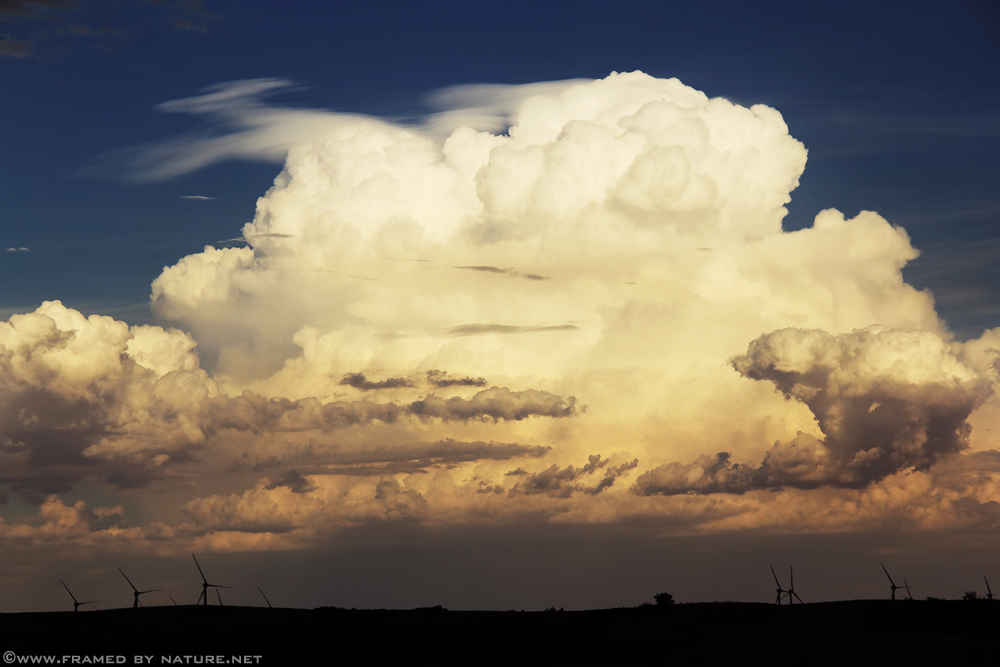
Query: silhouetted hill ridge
[[862, 631]]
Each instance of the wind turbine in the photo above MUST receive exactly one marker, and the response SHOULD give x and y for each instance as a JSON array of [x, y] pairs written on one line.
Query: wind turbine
[[791, 587], [989, 593], [907, 586], [269, 602], [892, 584], [205, 586], [76, 605], [136, 592], [781, 591]]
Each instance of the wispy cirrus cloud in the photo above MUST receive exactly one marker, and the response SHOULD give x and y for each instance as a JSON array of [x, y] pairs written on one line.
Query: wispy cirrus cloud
[[238, 125]]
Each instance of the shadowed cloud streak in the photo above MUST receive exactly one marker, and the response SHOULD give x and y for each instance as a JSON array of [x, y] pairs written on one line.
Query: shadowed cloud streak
[[509, 272], [358, 381], [416, 457], [420, 456], [441, 379], [257, 414], [560, 482], [484, 329], [494, 404], [294, 481]]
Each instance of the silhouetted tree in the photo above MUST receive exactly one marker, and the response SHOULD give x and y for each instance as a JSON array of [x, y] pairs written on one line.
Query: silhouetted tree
[[663, 599], [971, 596]]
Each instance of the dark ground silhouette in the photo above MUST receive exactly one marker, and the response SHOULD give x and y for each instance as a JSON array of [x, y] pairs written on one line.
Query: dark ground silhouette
[[861, 632]]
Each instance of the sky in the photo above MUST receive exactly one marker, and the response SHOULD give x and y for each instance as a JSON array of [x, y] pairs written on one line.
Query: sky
[[404, 304]]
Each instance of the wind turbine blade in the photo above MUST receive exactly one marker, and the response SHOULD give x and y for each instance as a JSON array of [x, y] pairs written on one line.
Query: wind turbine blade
[[172, 599], [887, 574], [775, 577], [74, 599], [265, 599], [988, 587], [791, 586], [129, 582], [199, 569], [797, 597], [220, 596], [200, 597]]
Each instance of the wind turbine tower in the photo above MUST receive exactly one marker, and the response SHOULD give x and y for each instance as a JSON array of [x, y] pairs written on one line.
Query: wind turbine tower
[[791, 587], [136, 592], [892, 584], [781, 591], [205, 586], [76, 605]]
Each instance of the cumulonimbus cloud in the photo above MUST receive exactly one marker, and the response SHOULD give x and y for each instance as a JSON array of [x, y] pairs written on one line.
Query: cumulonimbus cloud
[[366, 353]]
